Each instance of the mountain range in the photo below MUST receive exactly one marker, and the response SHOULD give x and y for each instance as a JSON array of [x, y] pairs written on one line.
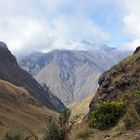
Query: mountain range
[[114, 108], [72, 75]]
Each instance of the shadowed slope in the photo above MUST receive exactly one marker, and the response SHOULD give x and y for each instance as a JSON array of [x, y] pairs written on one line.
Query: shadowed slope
[[10, 71], [19, 109]]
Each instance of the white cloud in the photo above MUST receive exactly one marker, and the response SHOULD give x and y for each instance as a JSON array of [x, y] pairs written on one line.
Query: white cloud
[[44, 25], [132, 44], [54, 5], [27, 34], [22, 34], [77, 28], [28, 25], [131, 22]]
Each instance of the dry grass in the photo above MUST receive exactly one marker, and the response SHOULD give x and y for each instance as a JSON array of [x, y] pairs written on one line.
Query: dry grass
[[80, 131], [11, 89], [80, 109], [83, 132], [20, 114]]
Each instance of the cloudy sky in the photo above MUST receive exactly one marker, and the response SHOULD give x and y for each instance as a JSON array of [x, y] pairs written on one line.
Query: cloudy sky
[[33, 25]]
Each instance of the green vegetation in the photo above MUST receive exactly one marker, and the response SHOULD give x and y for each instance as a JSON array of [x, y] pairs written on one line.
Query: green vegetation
[[132, 116], [84, 134], [58, 130], [14, 135], [53, 131], [107, 114], [18, 134], [103, 116], [131, 119]]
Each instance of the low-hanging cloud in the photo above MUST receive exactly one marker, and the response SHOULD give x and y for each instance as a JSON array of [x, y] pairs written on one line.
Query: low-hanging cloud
[[131, 23], [27, 34], [32, 25]]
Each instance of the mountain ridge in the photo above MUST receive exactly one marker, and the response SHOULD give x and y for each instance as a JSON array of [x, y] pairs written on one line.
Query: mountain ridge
[[71, 74], [24, 103], [10, 71], [114, 111], [125, 77], [119, 89]]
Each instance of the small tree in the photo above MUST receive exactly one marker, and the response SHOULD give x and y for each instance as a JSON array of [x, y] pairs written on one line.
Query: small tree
[[53, 131], [14, 135], [18, 134], [58, 130], [64, 122]]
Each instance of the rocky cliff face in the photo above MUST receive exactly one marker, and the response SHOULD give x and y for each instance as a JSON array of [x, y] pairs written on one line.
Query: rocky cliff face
[[71, 75], [120, 79], [11, 72]]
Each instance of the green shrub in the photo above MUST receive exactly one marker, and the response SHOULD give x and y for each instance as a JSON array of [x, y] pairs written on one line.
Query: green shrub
[[84, 134], [106, 114], [53, 131], [58, 130], [131, 118], [14, 135], [20, 134]]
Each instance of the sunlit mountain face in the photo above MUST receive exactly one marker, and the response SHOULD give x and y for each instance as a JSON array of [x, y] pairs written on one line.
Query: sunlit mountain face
[[72, 74]]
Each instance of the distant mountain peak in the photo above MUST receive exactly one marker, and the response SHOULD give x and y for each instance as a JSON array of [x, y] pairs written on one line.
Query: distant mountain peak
[[72, 74]]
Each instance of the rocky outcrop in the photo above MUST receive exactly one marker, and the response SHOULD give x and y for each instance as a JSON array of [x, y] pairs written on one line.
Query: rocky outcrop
[[137, 50], [120, 79]]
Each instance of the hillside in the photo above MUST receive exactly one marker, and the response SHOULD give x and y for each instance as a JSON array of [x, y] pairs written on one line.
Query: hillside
[[10, 71], [72, 75], [23, 102], [80, 109], [121, 78], [119, 89], [19, 110]]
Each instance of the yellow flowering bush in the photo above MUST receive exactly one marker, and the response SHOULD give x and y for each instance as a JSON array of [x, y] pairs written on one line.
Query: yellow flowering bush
[[106, 114]]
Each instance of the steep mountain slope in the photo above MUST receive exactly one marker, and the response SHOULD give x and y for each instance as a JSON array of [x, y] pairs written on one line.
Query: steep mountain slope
[[10, 71], [66, 75], [23, 102], [71, 75], [121, 78], [118, 86], [18, 109]]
